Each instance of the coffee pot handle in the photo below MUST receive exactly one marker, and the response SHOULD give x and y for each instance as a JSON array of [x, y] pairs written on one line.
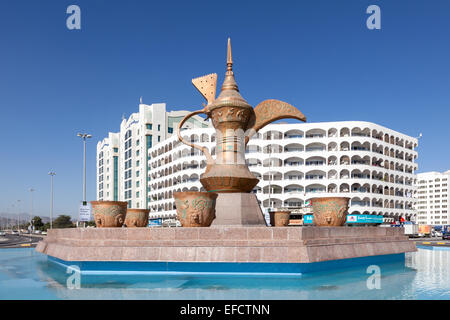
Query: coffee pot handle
[[209, 159]]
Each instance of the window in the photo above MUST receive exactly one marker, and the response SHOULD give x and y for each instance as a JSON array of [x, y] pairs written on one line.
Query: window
[[137, 142], [137, 163], [159, 127], [137, 153], [116, 149], [170, 130], [149, 141], [149, 126], [159, 138], [137, 173]]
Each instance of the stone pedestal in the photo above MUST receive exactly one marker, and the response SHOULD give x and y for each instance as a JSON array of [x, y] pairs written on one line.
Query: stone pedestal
[[237, 244], [238, 209]]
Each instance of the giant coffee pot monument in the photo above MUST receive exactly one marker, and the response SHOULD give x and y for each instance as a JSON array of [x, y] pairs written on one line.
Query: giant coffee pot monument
[[235, 122], [238, 239]]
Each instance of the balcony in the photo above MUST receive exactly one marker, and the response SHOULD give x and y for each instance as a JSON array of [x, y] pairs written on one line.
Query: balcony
[[360, 135], [293, 190], [363, 190], [314, 163], [360, 204], [316, 190], [292, 164], [358, 162], [360, 149], [360, 176], [293, 136], [317, 149], [315, 135], [314, 177]]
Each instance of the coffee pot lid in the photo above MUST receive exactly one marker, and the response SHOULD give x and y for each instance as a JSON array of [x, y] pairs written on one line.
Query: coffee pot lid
[[229, 94]]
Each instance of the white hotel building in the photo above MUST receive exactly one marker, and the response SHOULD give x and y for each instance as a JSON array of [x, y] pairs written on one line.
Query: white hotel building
[[295, 162], [433, 197], [123, 157]]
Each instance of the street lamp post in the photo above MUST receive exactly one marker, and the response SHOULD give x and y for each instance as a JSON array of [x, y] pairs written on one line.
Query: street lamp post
[[18, 216], [84, 136], [51, 174], [31, 211]]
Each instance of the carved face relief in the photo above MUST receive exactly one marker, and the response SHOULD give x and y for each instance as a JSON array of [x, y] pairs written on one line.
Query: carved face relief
[[196, 211], [109, 215], [330, 212]]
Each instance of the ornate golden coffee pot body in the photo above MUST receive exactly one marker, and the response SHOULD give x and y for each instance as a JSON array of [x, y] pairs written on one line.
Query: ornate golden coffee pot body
[[235, 122]]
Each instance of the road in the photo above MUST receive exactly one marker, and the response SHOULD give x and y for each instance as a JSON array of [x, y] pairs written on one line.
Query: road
[[16, 241], [435, 241]]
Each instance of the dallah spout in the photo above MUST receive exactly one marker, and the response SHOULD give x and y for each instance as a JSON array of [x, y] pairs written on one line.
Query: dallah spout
[[269, 111]]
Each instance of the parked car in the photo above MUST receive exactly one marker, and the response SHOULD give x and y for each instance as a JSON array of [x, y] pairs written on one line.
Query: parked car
[[438, 234], [446, 233], [2, 233]]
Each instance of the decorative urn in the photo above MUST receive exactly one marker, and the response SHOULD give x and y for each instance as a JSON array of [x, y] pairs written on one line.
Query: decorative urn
[[137, 218], [109, 214], [330, 211], [195, 209]]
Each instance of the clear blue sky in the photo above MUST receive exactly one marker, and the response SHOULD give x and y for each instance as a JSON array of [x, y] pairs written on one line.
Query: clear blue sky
[[316, 55]]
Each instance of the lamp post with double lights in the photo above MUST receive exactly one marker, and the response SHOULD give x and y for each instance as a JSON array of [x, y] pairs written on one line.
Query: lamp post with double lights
[[84, 136]]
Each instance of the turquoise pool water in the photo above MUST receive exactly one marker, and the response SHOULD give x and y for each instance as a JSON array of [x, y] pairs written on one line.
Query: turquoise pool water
[[26, 274]]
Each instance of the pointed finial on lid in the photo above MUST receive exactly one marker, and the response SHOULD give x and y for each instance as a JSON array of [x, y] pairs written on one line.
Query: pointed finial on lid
[[229, 57]]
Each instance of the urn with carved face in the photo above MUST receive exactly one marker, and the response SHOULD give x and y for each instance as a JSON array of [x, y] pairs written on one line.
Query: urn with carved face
[[330, 211], [137, 218], [109, 214], [195, 209]]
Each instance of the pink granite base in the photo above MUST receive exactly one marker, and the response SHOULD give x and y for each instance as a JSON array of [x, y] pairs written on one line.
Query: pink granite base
[[238, 209], [224, 244]]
